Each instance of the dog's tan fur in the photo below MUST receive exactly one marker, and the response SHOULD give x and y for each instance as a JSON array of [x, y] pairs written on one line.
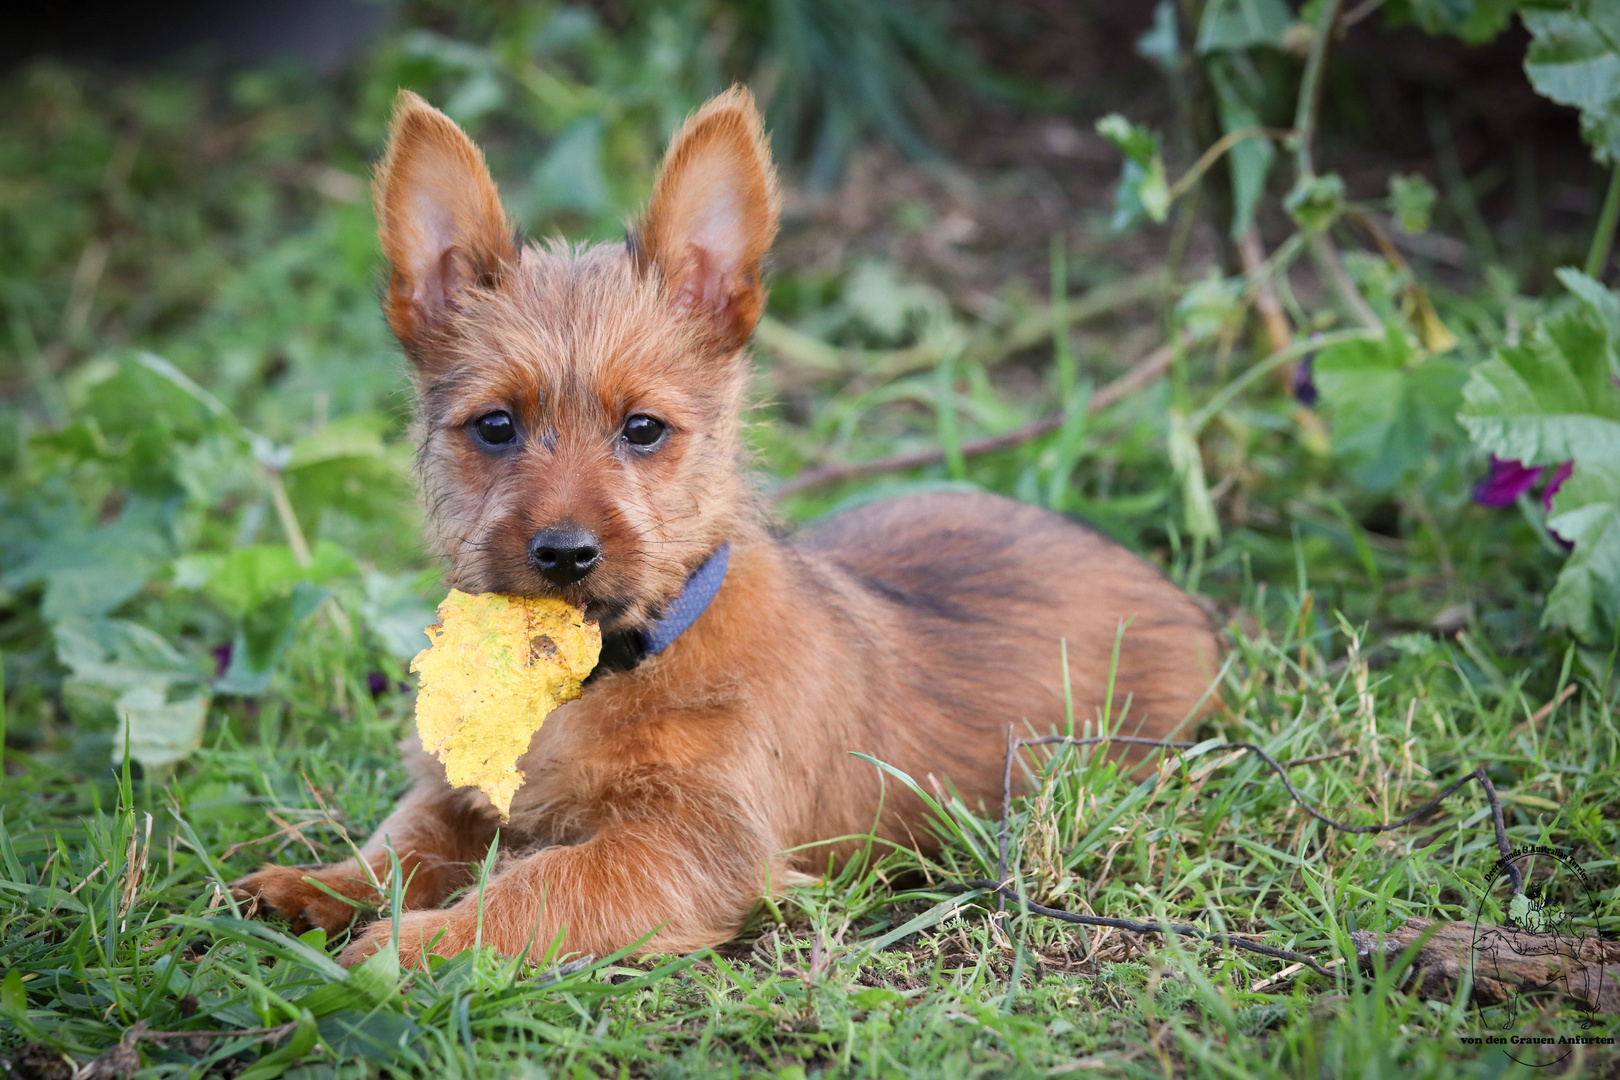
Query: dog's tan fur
[[671, 795]]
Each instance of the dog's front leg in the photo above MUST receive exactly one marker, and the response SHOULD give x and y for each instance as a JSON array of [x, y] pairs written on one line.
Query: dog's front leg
[[688, 877], [438, 833]]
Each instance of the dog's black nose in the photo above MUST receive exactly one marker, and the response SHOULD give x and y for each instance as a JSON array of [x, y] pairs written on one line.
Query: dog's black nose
[[564, 553]]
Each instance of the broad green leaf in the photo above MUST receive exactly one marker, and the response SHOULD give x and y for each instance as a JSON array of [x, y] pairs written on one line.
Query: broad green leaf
[[121, 655], [273, 1064], [394, 612], [1137, 143], [1315, 202], [138, 390], [355, 436], [1239, 24], [249, 577], [1142, 189], [379, 1035], [82, 440], [364, 988], [1250, 160], [1546, 401], [13, 998], [1385, 407], [1474, 21], [157, 731], [1197, 506], [268, 631], [90, 572], [270, 595], [1586, 512], [1162, 43], [1604, 304], [1412, 198], [1208, 305], [1574, 59], [348, 468], [1153, 191], [1553, 397]]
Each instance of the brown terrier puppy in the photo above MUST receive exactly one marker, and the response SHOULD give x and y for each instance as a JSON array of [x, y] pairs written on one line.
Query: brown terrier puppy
[[579, 428]]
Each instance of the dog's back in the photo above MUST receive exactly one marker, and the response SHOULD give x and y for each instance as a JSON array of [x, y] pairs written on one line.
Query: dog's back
[[986, 589], [961, 608]]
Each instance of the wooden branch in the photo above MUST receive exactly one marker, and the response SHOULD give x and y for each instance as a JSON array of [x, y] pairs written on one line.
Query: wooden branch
[[1505, 962], [1278, 331], [1144, 372]]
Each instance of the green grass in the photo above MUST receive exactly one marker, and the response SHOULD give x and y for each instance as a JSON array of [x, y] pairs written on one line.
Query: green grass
[[152, 511], [110, 920]]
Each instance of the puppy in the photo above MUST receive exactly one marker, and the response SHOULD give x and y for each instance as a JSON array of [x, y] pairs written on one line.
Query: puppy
[[579, 429]]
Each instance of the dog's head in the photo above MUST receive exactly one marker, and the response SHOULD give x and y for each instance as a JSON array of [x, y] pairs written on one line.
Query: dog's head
[[579, 407]]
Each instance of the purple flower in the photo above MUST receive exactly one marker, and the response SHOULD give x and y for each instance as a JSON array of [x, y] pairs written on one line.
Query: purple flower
[[1558, 477], [1555, 483], [1507, 480], [1305, 383], [379, 684], [222, 658]]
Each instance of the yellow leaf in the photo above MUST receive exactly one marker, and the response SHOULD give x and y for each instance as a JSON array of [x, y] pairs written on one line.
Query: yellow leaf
[[1436, 335], [496, 666]]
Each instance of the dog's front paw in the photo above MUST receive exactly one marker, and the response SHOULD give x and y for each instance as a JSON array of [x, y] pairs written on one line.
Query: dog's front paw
[[288, 891], [420, 933]]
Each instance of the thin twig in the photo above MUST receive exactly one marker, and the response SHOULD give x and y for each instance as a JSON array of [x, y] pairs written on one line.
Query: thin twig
[[1331, 267], [1357, 13], [1546, 710], [1003, 836], [1328, 263], [1220, 146], [288, 517], [288, 828], [1162, 929], [1310, 89], [1260, 368], [1145, 371], [1278, 332], [1318, 758]]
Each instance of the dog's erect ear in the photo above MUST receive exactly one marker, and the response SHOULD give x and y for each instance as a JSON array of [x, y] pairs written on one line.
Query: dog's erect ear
[[713, 216], [439, 218]]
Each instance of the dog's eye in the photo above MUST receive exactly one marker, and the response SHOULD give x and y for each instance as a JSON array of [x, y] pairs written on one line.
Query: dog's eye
[[495, 428], [642, 430]]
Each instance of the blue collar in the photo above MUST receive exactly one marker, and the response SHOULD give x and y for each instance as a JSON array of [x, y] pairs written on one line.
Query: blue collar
[[693, 601], [624, 649]]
